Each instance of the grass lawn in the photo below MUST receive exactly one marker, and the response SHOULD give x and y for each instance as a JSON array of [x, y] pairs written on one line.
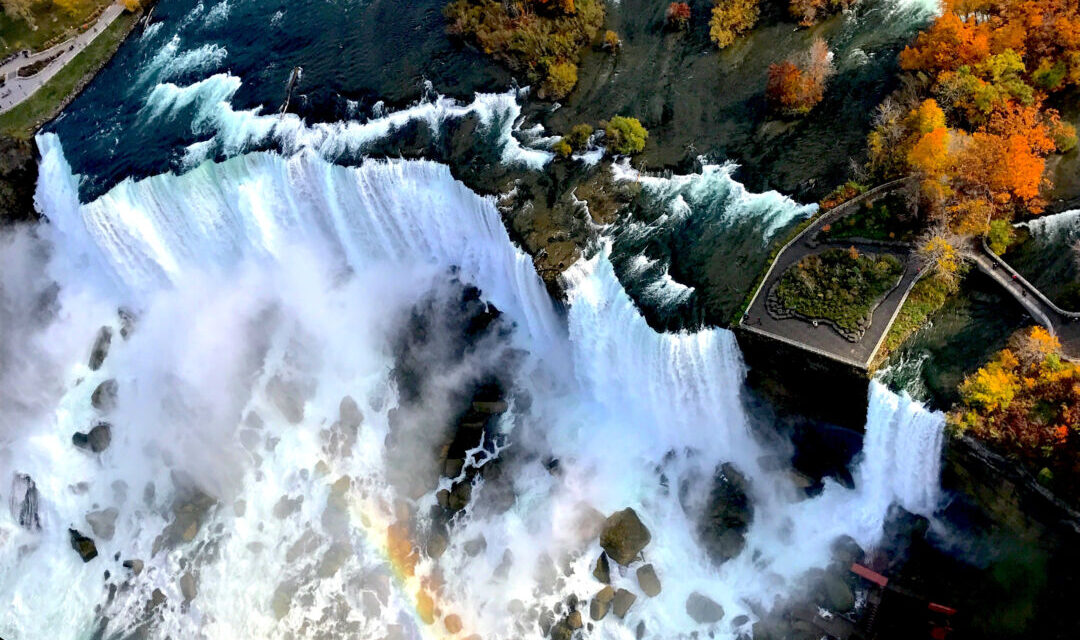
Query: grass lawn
[[838, 285], [27, 117], [927, 296], [53, 26], [878, 222]]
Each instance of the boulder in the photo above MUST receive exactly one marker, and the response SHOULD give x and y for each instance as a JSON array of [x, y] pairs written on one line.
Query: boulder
[[288, 397], [103, 522], [622, 602], [703, 610], [349, 414], [624, 536], [100, 348], [648, 581], [24, 502], [601, 603], [838, 595], [452, 623], [602, 571], [476, 546], [104, 397], [727, 516], [574, 620], [82, 545], [96, 440], [188, 587], [136, 566]]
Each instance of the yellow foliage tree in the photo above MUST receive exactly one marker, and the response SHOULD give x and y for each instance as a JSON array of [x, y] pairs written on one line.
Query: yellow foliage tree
[[732, 18]]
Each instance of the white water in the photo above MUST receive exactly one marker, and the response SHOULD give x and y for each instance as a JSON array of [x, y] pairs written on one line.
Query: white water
[[266, 265], [1056, 228]]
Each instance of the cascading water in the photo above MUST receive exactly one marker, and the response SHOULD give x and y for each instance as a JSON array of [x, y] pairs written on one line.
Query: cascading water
[[266, 268]]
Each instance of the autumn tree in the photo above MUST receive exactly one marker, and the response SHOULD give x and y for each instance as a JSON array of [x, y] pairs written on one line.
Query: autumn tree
[[795, 89], [678, 15], [732, 18], [560, 80], [809, 12], [937, 251], [611, 40]]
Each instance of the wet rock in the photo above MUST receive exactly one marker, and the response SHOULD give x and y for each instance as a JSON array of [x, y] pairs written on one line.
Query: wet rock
[[135, 565], [100, 348], [459, 496], [188, 587], [282, 599], [703, 610], [453, 466], [452, 623], [546, 621], [845, 552], [103, 522], [288, 397], [624, 536], [601, 603], [728, 515], [639, 632], [425, 607], [648, 581], [82, 545], [739, 621], [602, 571], [476, 546], [287, 506], [838, 595], [104, 397], [562, 631], [490, 406], [157, 598], [127, 322], [334, 558], [349, 414], [24, 502], [574, 620], [96, 440], [622, 602]]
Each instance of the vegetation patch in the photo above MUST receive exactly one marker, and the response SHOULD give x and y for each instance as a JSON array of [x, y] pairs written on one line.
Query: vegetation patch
[[1026, 403], [38, 24], [541, 38], [842, 287], [24, 119], [884, 220], [926, 297]]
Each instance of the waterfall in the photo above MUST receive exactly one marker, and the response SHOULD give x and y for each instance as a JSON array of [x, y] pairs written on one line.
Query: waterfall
[[265, 266]]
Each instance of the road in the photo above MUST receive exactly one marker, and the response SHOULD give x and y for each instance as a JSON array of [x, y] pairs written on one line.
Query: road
[[16, 89]]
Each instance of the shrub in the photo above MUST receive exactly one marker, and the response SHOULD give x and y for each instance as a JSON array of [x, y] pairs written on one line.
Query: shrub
[[678, 15], [611, 40], [561, 78], [1000, 236], [562, 148], [578, 136], [625, 136], [732, 18], [808, 12], [132, 5]]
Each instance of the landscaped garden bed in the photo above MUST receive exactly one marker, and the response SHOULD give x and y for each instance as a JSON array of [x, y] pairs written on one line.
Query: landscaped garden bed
[[840, 286]]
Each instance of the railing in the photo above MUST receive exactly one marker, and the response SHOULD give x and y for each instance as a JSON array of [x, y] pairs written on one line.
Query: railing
[[1072, 315]]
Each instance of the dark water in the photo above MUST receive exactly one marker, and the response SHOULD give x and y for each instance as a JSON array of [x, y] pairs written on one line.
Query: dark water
[[1049, 257], [359, 51]]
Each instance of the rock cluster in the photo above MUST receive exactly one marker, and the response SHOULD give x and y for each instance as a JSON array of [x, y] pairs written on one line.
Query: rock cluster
[[728, 515]]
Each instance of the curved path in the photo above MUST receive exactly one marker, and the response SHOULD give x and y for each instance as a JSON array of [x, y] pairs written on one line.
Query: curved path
[[16, 89], [1064, 324]]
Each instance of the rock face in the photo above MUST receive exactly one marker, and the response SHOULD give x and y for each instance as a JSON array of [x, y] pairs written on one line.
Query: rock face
[[96, 440], [104, 396], [624, 536], [24, 502], [103, 522], [100, 348], [647, 580], [82, 545], [135, 565], [703, 610], [601, 603], [728, 515]]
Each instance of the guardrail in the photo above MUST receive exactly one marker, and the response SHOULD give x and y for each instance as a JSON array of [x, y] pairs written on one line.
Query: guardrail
[[1072, 315]]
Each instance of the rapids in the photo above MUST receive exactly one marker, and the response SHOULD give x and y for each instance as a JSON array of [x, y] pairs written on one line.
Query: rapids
[[269, 266]]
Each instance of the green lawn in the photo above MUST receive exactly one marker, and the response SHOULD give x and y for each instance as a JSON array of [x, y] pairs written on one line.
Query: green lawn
[[27, 117], [838, 285], [53, 25], [878, 222], [927, 296]]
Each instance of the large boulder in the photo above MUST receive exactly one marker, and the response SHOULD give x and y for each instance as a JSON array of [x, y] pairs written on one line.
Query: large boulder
[[624, 536], [703, 610], [100, 348], [838, 595], [103, 522], [622, 602], [648, 581], [728, 515], [96, 440], [104, 397], [83, 545], [602, 571], [24, 502], [601, 603]]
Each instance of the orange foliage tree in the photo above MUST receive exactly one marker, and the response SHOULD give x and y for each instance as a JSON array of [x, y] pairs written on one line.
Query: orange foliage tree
[[795, 89]]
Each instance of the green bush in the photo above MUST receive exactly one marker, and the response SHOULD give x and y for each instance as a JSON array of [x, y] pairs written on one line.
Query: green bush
[[625, 136], [561, 78], [562, 148], [841, 286], [579, 136], [1001, 236]]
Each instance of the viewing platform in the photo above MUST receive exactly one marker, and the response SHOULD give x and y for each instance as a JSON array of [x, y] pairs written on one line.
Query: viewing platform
[[819, 336]]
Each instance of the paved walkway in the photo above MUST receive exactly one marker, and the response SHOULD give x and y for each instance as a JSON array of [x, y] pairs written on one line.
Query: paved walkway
[[16, 89], [1064, 324], [823, 339]]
